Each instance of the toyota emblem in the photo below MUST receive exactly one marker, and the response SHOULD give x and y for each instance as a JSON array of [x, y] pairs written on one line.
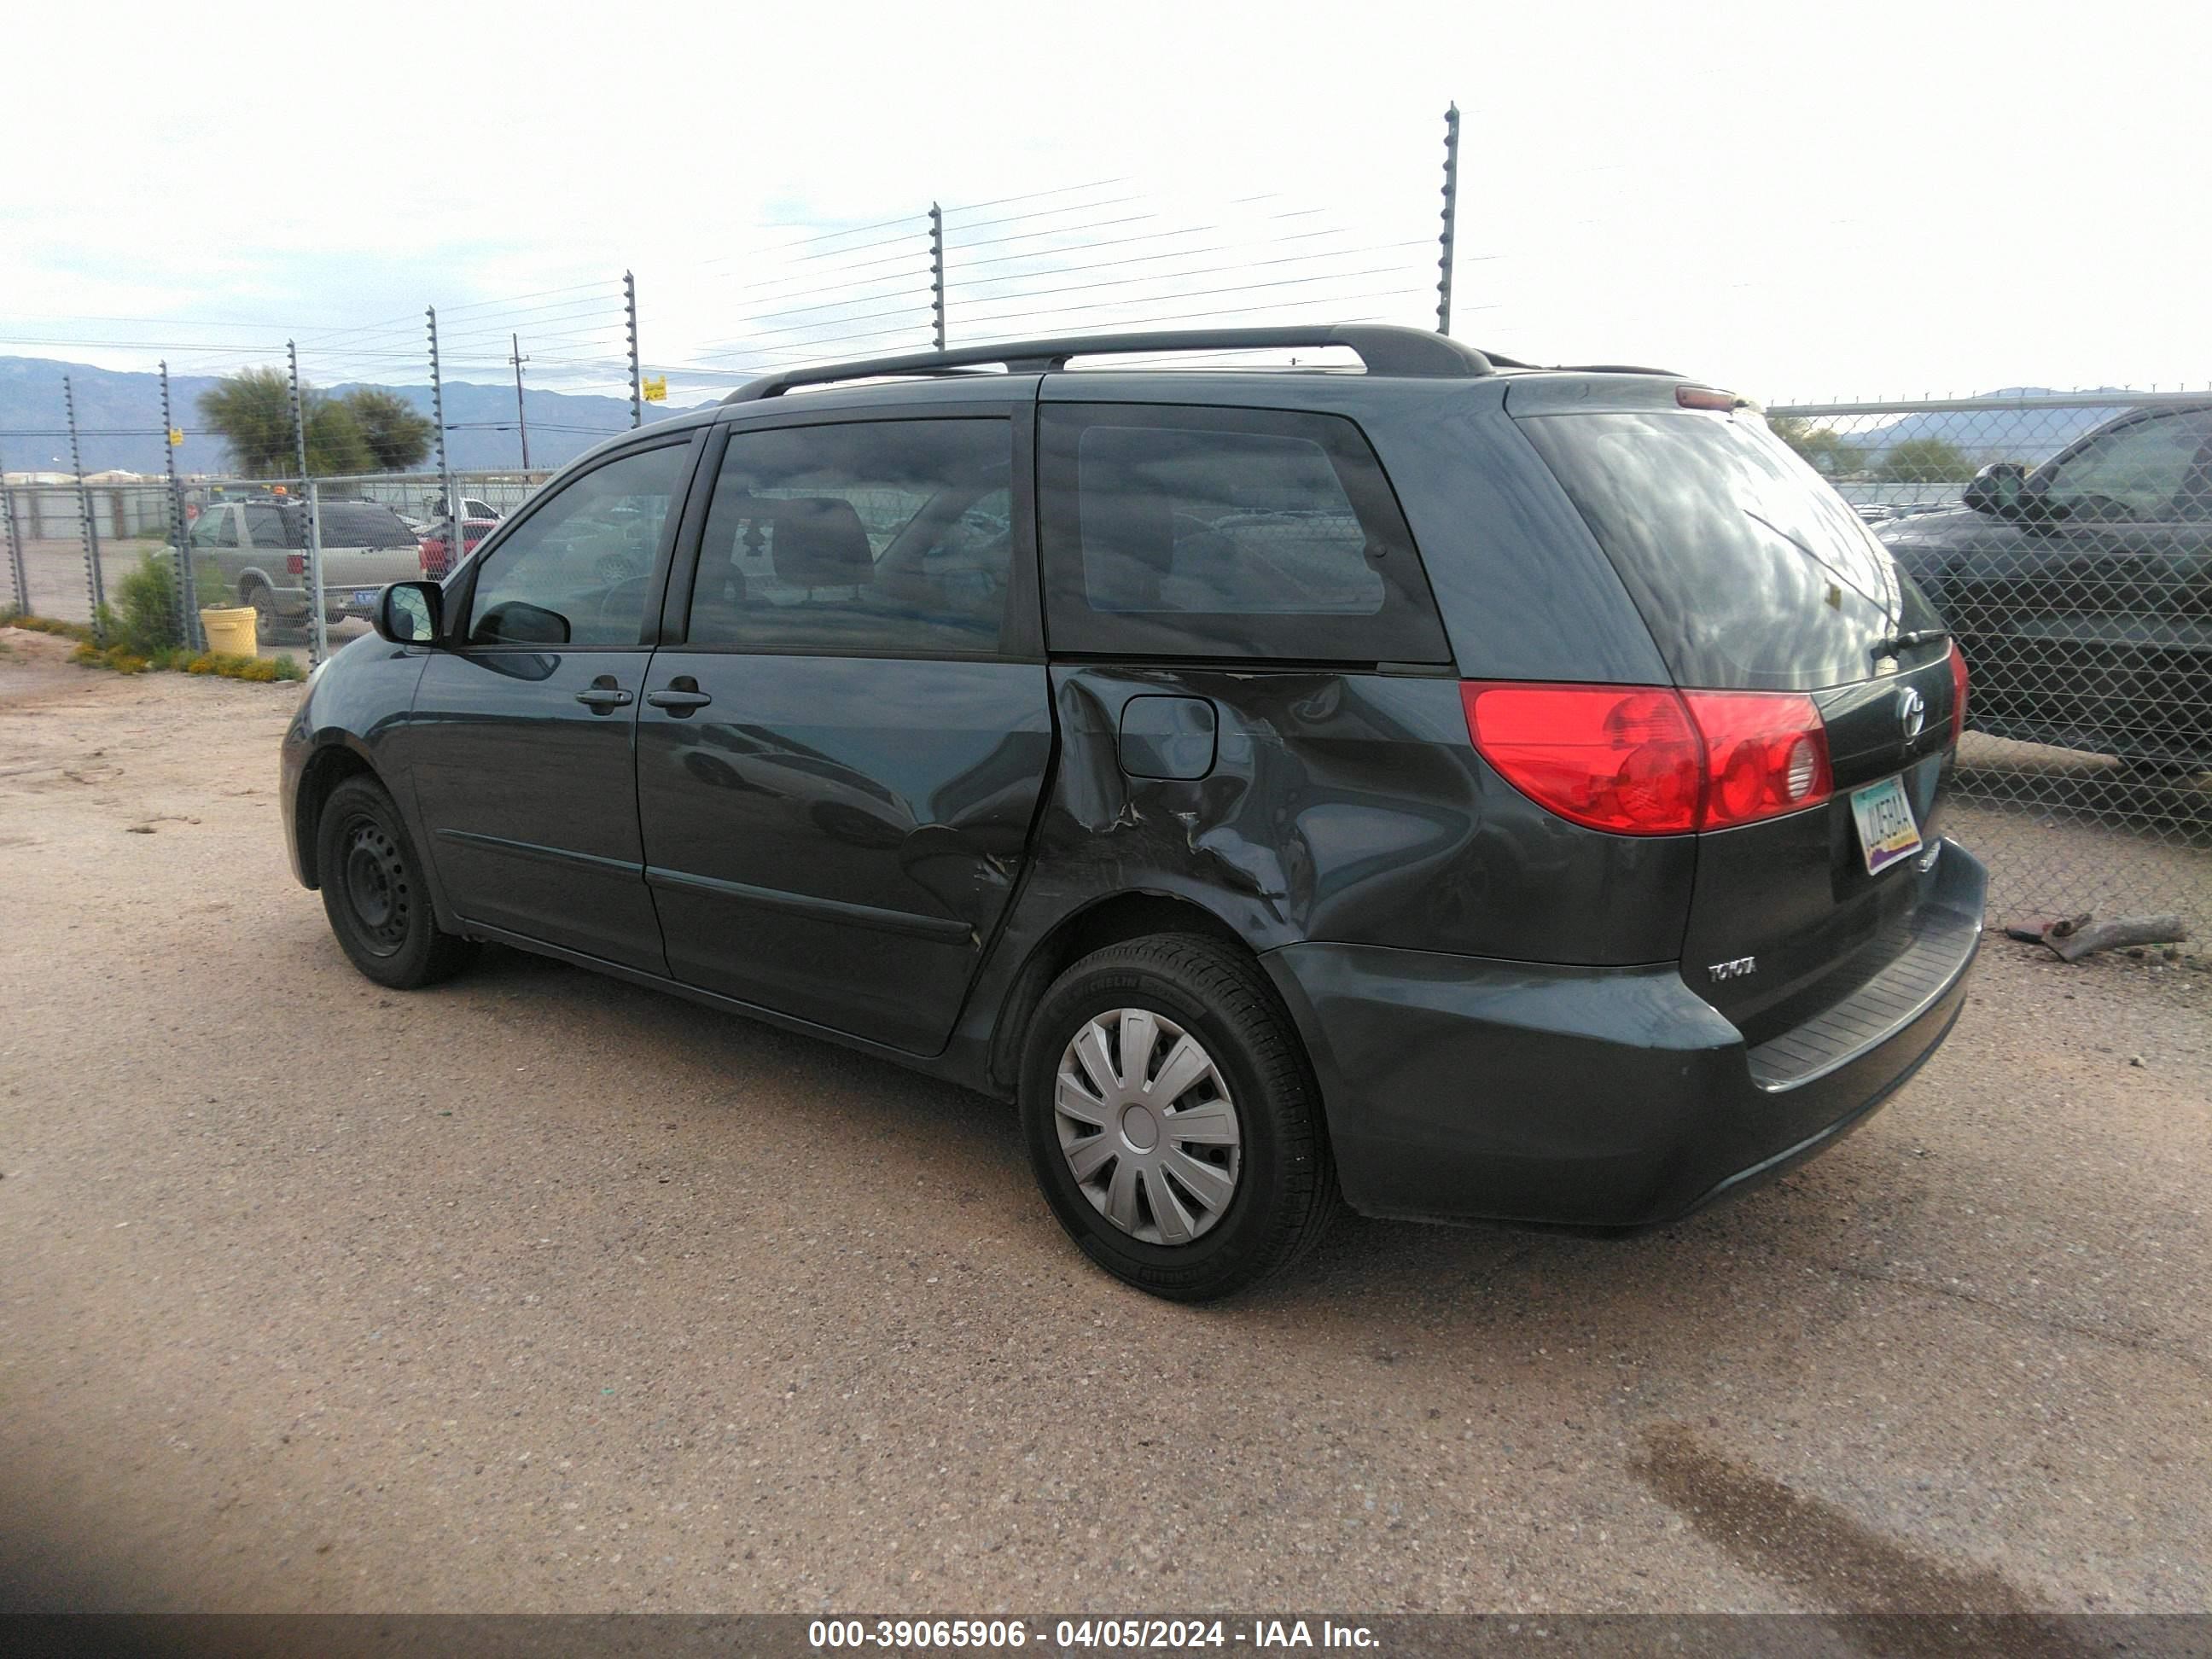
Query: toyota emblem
[[1912, 712]]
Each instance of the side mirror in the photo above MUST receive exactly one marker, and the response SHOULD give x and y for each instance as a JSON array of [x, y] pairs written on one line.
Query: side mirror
[[410, 613], [1999, 489]]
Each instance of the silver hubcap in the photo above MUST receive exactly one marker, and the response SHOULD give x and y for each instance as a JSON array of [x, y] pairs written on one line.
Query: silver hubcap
[[1147, 1126]]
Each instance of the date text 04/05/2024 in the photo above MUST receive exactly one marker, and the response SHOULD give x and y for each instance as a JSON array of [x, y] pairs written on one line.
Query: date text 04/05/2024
[[1076, 1635]]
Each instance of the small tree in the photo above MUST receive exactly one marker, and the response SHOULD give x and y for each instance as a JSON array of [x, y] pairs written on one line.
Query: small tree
[[1824, 450], [397, 436], [252, 411], [1926, 460]]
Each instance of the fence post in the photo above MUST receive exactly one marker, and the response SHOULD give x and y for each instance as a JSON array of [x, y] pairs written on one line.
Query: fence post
[[318, 638], [93, 587], [1450, 217], [453, 547], [636, 381], [188, 611], [937, 272], [16, 573]]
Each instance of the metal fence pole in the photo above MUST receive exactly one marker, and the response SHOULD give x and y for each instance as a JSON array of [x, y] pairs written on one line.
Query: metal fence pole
[[93, 587], [453, 547], [318, 639], [937, 272], [16, 574], [636, 381], [188, 613], [1451, 218]]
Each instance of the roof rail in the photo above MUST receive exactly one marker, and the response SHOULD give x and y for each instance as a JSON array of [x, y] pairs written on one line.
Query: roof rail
[[1384, 349]]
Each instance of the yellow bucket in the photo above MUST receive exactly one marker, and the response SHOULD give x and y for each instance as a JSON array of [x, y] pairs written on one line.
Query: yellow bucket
[[230, 632]]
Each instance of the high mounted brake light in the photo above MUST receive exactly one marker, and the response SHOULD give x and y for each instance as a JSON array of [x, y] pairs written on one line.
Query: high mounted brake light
[[1648, 760], [1705, 397]]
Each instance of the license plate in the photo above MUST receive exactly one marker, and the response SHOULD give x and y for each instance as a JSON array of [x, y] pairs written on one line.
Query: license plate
[[364, 596], [1886, 831]]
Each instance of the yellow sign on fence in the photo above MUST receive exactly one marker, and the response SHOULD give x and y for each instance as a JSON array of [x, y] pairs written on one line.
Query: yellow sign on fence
[[176, 438], [655, 390]]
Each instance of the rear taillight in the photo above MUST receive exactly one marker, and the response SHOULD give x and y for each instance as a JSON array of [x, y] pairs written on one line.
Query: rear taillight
[[1958, 692], [1645, 760], [1767, 753], [296, 563], [433, 552]]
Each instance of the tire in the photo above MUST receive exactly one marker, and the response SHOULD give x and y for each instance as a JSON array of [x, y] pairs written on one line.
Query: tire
[[268, 626], [1272, 1186], [375, 894]]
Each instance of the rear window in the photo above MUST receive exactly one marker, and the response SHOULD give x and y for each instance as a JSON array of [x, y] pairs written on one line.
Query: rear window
[[1226, 532], [1751, 573]]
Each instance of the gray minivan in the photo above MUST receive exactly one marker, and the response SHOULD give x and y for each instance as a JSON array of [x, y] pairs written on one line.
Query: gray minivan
[[1472, 789]]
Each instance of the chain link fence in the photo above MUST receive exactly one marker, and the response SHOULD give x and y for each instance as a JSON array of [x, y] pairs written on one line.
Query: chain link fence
[[2066, 538]]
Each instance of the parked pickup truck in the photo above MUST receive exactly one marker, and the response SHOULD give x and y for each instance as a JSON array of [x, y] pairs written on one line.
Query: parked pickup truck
[[255, 550]]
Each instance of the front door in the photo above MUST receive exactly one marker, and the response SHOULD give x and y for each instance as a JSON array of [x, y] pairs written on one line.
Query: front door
[[839, 763], [522, 736]]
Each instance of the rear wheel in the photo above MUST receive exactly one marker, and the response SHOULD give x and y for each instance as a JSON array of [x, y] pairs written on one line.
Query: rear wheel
[[374, 895], [268, 625], [1172, 1120]]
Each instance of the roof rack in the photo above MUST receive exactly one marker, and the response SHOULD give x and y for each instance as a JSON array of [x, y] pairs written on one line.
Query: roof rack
[[1384, 349]]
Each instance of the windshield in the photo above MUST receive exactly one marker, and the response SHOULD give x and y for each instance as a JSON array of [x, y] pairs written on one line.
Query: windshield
[[1750, 571]]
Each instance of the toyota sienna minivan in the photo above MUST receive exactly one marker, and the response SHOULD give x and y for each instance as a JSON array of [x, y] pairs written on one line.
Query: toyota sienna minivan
[[1453, 788]]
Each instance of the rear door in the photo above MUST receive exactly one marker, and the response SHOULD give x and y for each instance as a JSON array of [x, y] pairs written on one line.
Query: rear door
[[522, 739], [1754, 576], [845, 736]]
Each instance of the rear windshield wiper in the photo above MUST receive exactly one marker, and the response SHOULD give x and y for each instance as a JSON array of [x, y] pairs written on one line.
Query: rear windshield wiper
[[1906, 640]]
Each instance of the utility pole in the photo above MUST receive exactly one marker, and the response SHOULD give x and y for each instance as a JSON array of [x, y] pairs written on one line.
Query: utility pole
[[937, 272], [522, 420], [92, 587], [636, 380], [15, 570], [1450, 216]]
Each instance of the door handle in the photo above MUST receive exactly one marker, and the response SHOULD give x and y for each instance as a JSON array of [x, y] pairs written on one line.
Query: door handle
[[682, 696], [602, 694]]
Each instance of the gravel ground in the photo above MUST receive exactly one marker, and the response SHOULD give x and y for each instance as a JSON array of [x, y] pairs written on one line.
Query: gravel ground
[[541, 1292]]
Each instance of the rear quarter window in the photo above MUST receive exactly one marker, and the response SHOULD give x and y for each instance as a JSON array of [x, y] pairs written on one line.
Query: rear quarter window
[[1225, 533]]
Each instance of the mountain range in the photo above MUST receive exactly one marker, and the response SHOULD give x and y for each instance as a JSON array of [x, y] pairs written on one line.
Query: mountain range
[[118, 416]]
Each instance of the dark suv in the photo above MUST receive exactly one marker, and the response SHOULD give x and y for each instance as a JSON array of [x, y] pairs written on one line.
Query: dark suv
[[1481, 790]]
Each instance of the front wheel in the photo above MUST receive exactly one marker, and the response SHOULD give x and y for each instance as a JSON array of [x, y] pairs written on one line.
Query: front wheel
[[374, 895], [1172, 1119]]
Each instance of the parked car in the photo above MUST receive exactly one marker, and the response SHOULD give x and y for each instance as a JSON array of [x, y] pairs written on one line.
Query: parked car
[[435, 559], [1481, 791], [254, 549], [2081, 591]]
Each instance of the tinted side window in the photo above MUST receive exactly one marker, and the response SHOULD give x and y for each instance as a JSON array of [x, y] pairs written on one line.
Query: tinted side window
[[357, 524], [264, 527], [878, 536], [576, 571], [1226, 532], [2155, 468], [215, 527]]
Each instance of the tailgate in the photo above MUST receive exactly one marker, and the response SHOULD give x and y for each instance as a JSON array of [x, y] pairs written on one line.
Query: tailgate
[[1755, 577]]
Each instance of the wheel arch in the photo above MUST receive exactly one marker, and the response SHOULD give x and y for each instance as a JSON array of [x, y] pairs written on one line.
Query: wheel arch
[[328, 767], [1111, 918]]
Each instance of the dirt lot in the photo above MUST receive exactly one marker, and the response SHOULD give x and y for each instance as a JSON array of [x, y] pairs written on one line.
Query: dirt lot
[[541, 1292]]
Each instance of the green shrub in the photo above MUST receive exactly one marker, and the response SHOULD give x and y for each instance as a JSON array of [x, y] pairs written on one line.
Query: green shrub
[[147, 622]]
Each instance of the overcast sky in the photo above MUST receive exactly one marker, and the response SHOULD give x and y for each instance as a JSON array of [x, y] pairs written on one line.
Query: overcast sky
[[1796, 201]]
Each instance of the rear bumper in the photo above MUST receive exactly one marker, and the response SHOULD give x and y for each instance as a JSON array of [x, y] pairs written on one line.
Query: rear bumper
[[1461, 1088]]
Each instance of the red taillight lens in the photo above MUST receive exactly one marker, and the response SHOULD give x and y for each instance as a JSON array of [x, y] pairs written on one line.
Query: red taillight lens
[[1623, 758], [1767, 753], [1958, 692], [1640, 760], [433, 552], [297, 563]]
